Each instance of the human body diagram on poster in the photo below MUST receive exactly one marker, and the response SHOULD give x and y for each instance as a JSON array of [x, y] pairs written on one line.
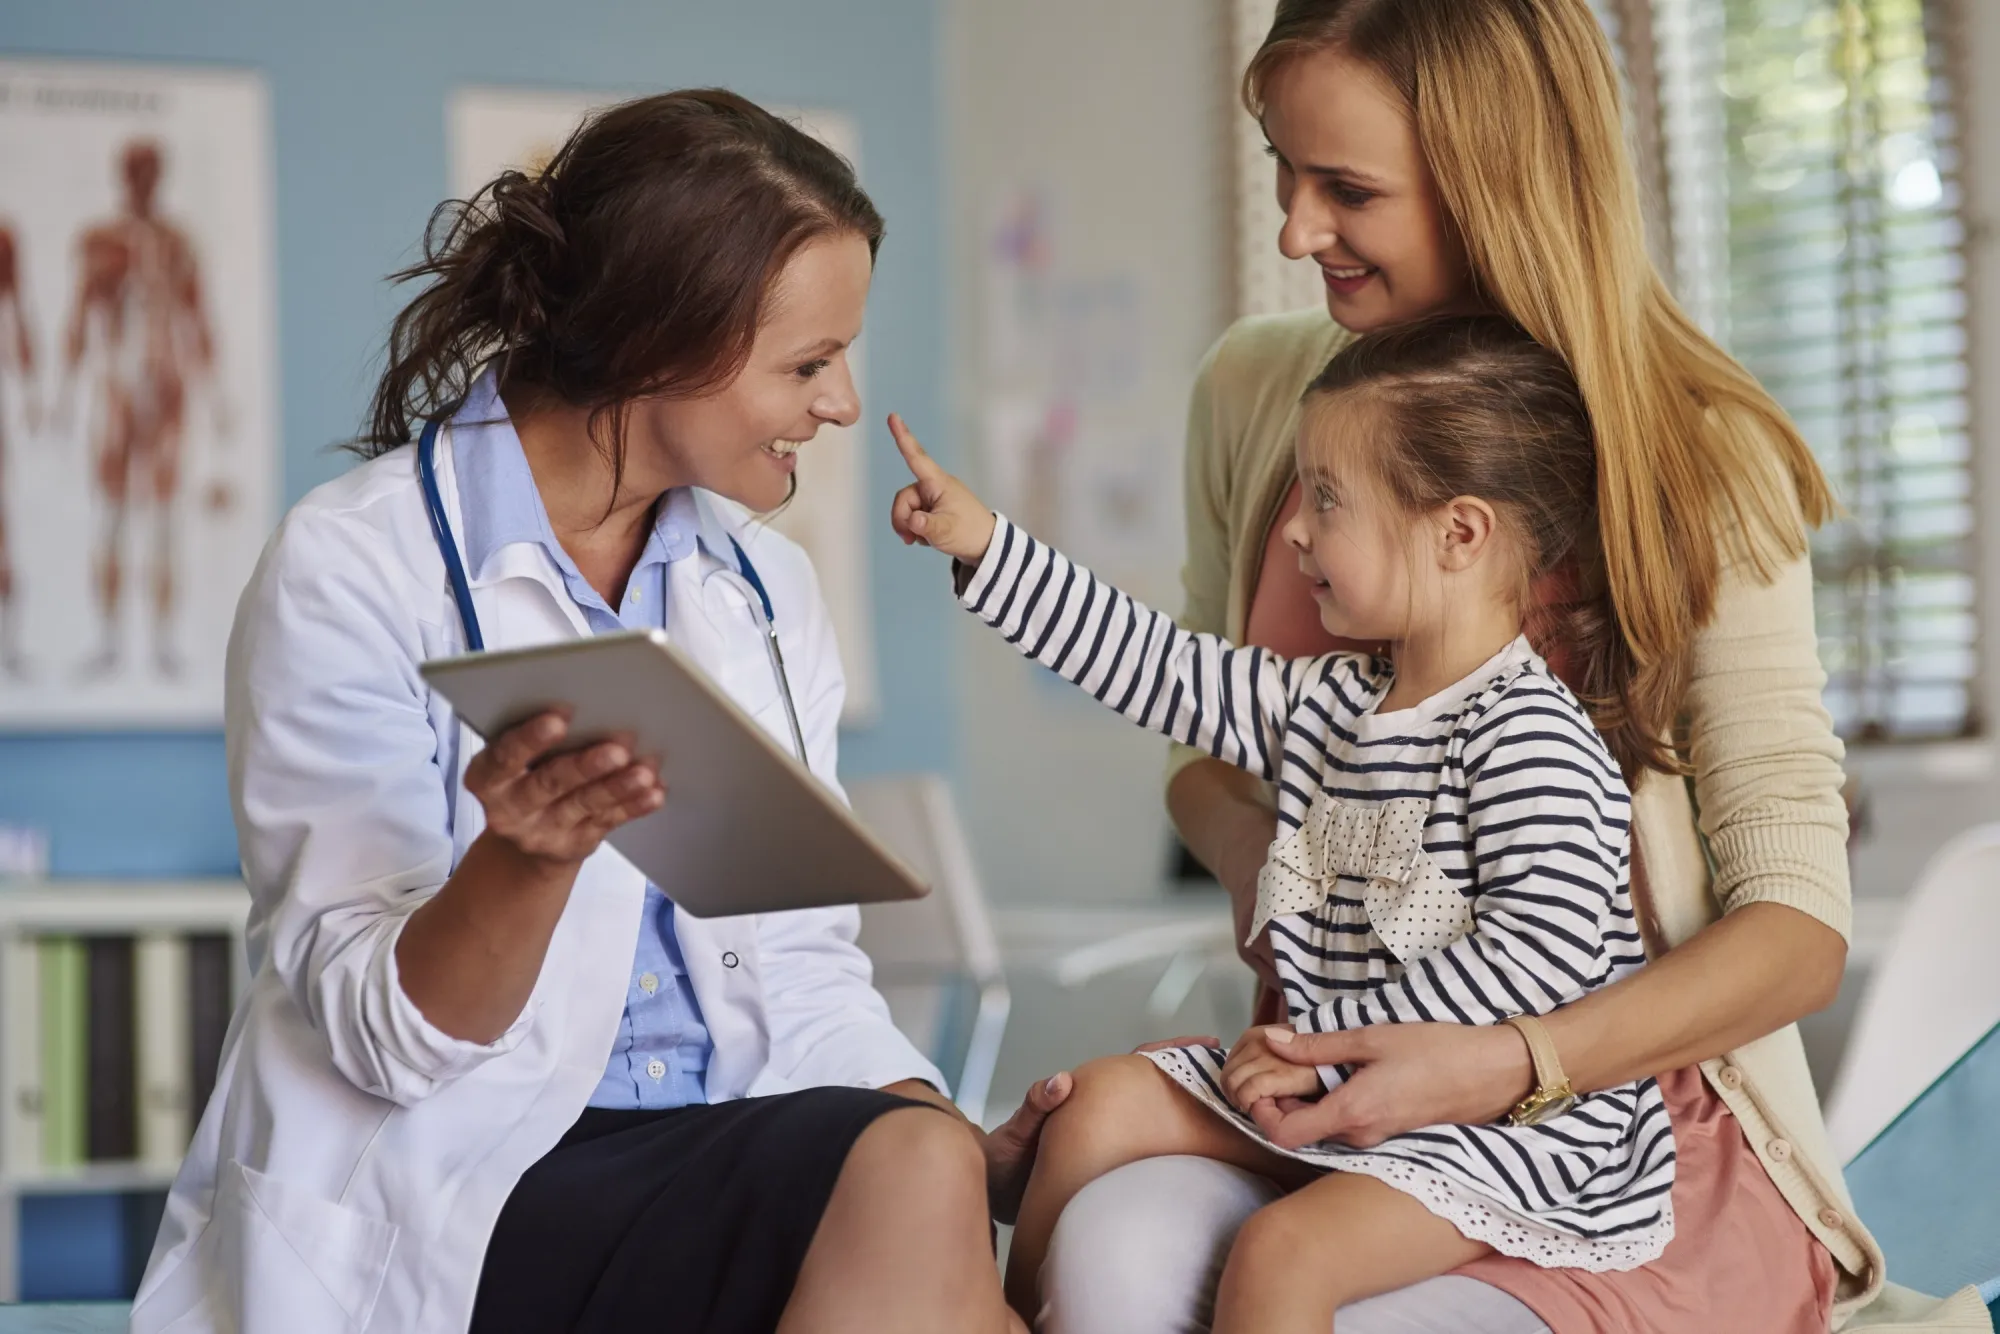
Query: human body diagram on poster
[[136, 418]]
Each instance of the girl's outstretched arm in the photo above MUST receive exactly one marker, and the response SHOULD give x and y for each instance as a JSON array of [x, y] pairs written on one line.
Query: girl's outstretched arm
[[1196, 689]]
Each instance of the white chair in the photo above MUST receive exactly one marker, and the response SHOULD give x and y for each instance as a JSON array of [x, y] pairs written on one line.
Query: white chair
[[937, 960], [1934, 994]]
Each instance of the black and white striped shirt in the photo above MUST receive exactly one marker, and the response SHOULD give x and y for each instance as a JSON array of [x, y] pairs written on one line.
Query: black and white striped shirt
[[1461, 860]]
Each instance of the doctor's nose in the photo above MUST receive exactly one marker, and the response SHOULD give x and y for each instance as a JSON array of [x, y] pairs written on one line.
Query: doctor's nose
[[838, 403]]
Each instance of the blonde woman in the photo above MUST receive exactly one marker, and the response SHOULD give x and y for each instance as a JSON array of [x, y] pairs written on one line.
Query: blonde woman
[[1440, 155]]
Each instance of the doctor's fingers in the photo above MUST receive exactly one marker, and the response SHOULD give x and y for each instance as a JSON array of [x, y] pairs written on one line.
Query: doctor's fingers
[[554, 780], [508, 756], [596, 809]]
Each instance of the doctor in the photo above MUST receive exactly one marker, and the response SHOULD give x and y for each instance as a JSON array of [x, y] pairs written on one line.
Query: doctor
[[485, 1075]]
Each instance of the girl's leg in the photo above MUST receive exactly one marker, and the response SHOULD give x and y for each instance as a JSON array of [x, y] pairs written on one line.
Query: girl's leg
[[1122, 1109], [1336, 1241], [904, 1246]]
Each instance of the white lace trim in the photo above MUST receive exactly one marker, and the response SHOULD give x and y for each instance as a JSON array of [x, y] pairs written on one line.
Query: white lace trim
[[1477, 1217]]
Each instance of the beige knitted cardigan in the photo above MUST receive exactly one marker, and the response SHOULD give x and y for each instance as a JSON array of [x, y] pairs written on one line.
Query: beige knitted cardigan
[[1767, 775]]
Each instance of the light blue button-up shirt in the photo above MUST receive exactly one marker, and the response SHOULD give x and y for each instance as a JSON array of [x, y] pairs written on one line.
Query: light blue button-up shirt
[[662, 1051]]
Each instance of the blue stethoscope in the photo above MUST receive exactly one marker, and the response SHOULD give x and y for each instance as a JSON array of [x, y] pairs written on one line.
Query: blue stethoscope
[[475, 642]]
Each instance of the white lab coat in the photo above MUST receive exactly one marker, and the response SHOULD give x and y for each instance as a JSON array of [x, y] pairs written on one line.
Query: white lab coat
[[349, 1168]]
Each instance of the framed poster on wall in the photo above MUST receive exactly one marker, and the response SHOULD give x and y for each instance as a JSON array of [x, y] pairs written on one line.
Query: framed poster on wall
[[491, 129], [138, 409]]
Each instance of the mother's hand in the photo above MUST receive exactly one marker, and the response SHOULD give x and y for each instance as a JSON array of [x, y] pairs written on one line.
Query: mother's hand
[[1010, 1150], [1406, 1076]]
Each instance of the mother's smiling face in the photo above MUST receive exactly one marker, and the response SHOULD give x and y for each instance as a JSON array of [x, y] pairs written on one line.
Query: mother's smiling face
[[1358, 196]]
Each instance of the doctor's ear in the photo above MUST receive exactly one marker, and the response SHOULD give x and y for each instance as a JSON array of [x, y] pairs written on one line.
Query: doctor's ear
[[1466, 528]]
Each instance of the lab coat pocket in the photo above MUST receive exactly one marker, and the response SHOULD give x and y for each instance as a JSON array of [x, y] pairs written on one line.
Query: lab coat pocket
[[294, 1263]]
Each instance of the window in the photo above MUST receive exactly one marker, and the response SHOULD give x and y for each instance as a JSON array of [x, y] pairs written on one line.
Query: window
[[1812, 160]]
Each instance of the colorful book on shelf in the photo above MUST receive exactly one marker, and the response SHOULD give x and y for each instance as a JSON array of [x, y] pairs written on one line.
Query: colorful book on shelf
[[160, 979], [64, 986], [20, 1054], [111, 1121]]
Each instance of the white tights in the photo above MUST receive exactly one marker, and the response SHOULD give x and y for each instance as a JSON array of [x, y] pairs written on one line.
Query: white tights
[[1139, 1251]]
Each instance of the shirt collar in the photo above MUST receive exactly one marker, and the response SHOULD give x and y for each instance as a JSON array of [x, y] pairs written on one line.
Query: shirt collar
[[500, 504]]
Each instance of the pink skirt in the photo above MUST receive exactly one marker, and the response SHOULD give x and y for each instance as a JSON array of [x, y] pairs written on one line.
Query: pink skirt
[[1741, 1262]]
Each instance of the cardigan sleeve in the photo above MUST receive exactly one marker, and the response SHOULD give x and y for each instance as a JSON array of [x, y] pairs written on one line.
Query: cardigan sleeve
[[1766, 761], [1206, 492]]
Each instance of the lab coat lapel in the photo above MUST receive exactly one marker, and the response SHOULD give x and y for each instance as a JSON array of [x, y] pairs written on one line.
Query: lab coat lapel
[[721, 952]]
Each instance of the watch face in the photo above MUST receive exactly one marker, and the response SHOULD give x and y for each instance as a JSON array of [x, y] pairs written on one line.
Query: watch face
[[1548, 1110]]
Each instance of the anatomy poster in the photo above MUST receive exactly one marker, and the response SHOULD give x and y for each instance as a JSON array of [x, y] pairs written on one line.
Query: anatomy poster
[[138, 421], [490, 129]]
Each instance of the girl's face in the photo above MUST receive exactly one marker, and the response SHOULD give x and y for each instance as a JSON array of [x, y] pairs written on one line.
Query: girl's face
[[742, 441], [1354, 540], [1358, 196]]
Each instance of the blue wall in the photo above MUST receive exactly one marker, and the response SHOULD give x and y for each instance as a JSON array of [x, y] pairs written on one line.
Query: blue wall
[[358, 92]]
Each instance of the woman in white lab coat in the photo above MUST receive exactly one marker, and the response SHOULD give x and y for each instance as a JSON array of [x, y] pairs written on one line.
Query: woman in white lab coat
[[486, 1076]]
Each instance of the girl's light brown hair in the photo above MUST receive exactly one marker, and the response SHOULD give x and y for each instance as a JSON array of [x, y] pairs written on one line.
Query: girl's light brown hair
[[1516, 107], [1473, 406]]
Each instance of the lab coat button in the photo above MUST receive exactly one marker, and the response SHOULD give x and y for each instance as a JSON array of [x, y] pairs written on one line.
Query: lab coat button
[[730, 960], [1780, 1150], [1730, 1077], [656, 1067], [649, 982], [1830, 1218]]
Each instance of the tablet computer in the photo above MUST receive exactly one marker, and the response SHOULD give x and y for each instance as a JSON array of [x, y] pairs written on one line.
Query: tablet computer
[[745, 827]]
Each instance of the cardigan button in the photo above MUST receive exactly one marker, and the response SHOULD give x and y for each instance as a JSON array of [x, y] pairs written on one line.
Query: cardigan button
[[730, 960], [1831, 1218], [1779, 1149], [1730, 1077]]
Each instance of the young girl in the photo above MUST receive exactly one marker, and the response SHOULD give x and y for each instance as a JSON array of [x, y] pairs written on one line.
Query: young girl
[[1453, 829]]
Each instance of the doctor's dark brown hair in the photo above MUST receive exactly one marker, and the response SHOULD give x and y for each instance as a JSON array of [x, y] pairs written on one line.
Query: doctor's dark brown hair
[[1473, 406], [637, 263]]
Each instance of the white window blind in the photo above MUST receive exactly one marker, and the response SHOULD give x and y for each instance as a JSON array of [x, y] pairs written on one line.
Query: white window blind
[[1813, 162]]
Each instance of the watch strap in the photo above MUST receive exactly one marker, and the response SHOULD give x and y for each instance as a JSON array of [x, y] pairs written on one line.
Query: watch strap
[[1549, 1076]]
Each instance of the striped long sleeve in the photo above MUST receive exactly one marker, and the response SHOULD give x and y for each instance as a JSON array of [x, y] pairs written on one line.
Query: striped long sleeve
[[1548, 823], [1197, 689]]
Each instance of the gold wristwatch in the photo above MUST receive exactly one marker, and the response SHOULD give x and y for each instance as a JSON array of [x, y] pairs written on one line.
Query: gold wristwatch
[[1552, 1095]]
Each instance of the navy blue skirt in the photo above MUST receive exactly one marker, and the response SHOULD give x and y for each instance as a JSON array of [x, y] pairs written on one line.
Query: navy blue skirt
[[690, 1219]]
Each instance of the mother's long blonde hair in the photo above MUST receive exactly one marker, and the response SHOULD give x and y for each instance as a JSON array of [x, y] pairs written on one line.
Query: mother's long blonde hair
[[1516, 108]]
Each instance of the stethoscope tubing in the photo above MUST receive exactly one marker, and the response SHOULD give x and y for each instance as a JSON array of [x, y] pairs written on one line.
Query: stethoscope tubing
[[468, 615]]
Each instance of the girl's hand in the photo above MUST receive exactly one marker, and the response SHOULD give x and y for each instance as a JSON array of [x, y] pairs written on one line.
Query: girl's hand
[[1406, 1076], [557, 810], [1254, 1073], [937, 509]]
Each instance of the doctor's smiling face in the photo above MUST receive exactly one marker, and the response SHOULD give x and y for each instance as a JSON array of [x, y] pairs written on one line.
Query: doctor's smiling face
[[742, 440]]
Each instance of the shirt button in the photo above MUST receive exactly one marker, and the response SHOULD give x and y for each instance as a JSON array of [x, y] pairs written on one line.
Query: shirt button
[[730, 960], [634, 594], [1780, 1150], [1831, 1217], [656, 1067], [649, 982], [1730, 1077]]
